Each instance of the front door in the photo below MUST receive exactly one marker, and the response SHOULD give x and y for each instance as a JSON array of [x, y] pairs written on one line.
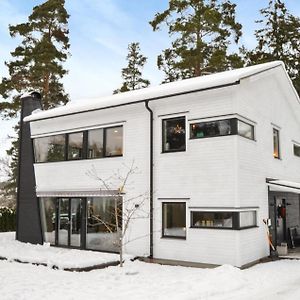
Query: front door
[[69, 222]]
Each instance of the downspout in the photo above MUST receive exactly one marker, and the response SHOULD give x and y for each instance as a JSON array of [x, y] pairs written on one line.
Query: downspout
[[151, 177]]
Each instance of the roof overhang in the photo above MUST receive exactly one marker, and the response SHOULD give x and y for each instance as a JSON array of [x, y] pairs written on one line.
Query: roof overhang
[[278, 185], [78, 193]]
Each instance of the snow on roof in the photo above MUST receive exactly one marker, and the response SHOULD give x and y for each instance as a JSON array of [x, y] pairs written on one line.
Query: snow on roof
[[197, 83]]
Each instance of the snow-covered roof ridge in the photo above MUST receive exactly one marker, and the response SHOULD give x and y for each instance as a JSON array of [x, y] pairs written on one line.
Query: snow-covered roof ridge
[[197, 83]]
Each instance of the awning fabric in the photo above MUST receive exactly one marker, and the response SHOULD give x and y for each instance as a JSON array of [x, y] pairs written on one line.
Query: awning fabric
[[278, 185], [78, 193]]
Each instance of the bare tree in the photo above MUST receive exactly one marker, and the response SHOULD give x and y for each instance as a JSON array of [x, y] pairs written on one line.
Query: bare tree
[[126, 209]]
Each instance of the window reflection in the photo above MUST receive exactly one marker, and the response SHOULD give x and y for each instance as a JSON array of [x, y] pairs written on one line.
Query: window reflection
[[48, 218], [246, 130], [50, 148], [95, 143], [104, 221], [114, 141], [212, 219], [75, 145], [174, 134], [174, 220]]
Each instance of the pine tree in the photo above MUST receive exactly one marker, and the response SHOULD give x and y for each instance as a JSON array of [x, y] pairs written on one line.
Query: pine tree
[[202, 30], [278, 39], [132, 74], [36, 65]]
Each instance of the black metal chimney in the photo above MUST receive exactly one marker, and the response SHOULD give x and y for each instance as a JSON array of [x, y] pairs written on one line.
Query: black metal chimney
[[28, 215]]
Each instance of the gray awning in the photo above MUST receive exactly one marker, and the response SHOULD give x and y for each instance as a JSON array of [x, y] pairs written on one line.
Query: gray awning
[[77, 193], [278, 185]]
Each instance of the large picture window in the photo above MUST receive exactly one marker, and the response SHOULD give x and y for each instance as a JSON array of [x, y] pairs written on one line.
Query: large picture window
[[223, 219], [174, 134], [174, 220], [276, 152], [104, 222], [50, 148], [95, 143], [48, 219]]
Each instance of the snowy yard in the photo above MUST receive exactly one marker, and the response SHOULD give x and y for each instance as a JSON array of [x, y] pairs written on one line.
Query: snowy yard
[[138, 280]]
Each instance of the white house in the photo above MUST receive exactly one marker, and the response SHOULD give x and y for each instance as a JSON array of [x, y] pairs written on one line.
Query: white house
[[216, 155]]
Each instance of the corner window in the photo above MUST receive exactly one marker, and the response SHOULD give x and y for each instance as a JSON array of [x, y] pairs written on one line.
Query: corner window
[[247, 219], [75, 145], [174, 220], [296, 150], [246, 130], [276, 148], [212, 219], [223, 219], [212, 129], [49, 148], [174, 134], [221, 128]]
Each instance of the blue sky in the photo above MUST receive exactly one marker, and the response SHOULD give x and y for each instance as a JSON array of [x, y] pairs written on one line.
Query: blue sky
[[100, 31]]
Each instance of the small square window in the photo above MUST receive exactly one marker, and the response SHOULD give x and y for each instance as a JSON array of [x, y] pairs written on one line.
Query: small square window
[[174, 134], [246, 130], [296, 150], [174, 220]]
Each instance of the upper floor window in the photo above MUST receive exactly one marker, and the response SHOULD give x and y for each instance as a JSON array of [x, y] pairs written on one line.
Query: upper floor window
[[246, 130], [221, 128], [174, 134], [276, 148], [96, 143], [212, 128], [50, 148], [297, 150], [75, 145]]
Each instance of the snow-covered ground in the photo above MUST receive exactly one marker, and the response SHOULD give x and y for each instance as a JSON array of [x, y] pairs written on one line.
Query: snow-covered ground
[[138, 280], [51, 256]]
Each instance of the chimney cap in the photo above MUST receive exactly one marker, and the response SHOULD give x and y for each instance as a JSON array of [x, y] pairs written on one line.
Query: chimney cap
[[32, 94]]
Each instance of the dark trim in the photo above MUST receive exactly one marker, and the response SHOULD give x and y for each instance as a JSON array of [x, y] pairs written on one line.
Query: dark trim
[[259, 72], [224, 228], [145, 100], [283, 185], [151, 183], [163, 150], [84, 145]]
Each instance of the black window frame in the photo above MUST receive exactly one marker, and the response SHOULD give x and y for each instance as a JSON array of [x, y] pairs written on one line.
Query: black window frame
[[84, 145], [252, 130], [163, 134], [294, 150], [278, 146], [235, 220], [163, 235], [234, 129], [67, 139]]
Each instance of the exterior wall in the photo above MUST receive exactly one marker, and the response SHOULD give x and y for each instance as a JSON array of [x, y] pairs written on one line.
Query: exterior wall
[[228, 171], [267, 100], [205, 174], [73, 175]]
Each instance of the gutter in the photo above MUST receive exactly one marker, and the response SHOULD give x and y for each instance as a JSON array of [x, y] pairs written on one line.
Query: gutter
[[151, 177]]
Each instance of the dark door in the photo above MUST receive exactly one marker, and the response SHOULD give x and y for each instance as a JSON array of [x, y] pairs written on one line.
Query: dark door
[[69, 222]]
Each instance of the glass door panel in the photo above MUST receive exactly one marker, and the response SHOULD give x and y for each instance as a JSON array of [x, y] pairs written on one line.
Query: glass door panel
[[63, 222], [75, 224]]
